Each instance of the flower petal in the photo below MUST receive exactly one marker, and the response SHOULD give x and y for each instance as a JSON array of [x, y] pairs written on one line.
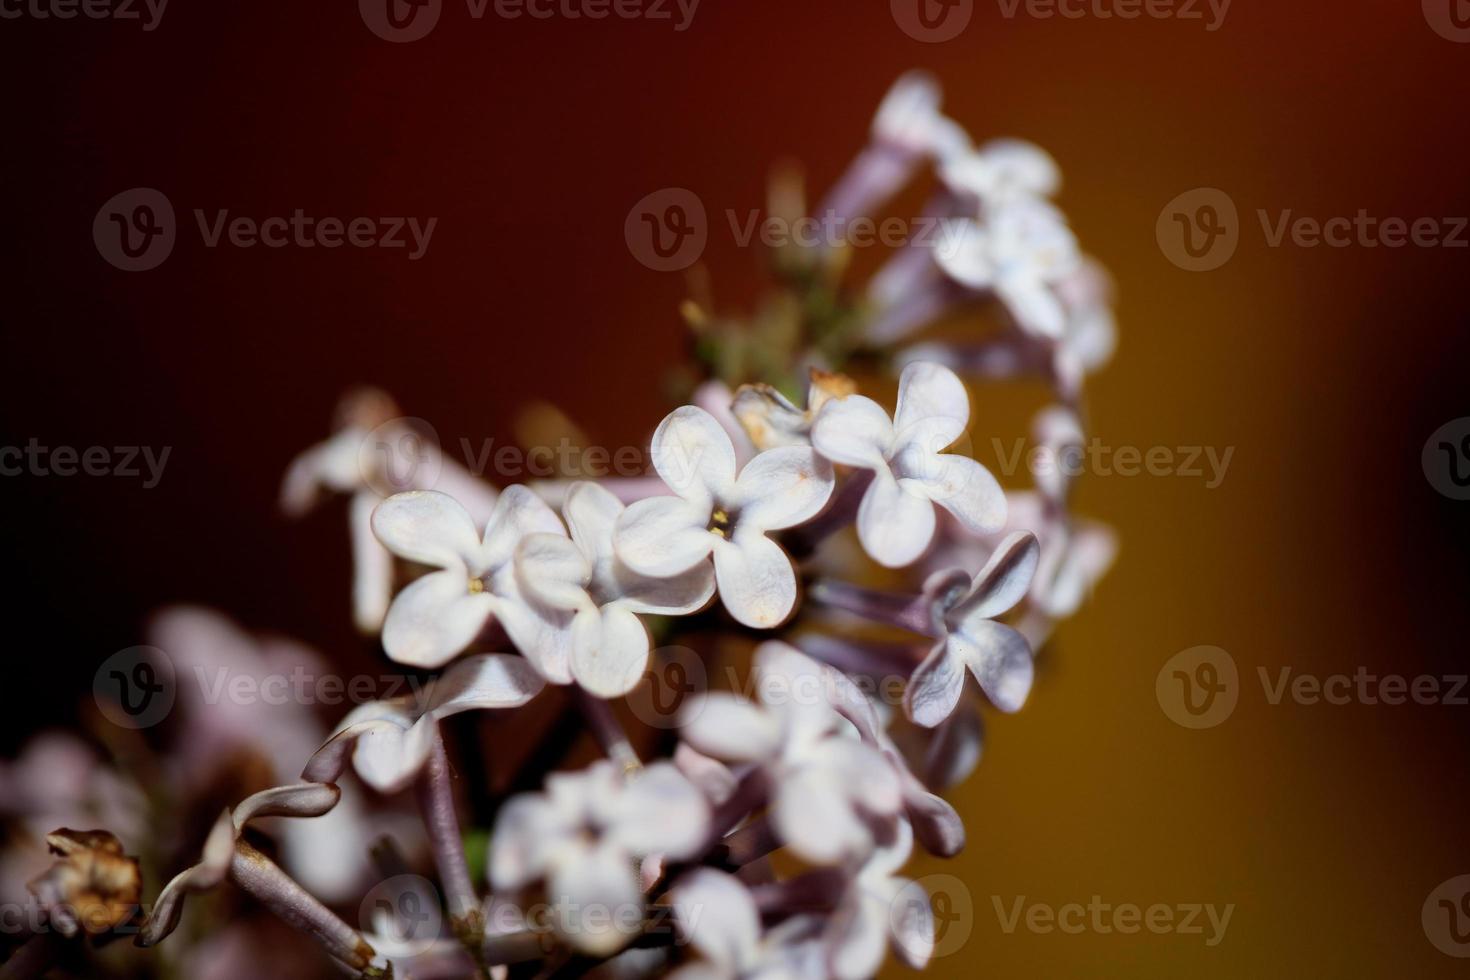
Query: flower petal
[[1000, 659], [1034, 305], [518, 512], [911, 922], [599, 890], [730, 728], [663, 536], [929, 391], [718, 916], [660, 812], [542, 634], [434, 618], [677, 595], [964, 488], [854, 431], [427, 527], [756, 580], [935, 687], [524, 832], [813, 814], [372, 566], [486, 680], [694, 455], [591, 512], [782, 488], [609, 651], [894, 525], [1003, 582], [857, 935], [552, 569]]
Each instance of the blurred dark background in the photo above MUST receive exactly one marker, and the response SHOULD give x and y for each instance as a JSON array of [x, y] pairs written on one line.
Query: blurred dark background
[[1325, 548]]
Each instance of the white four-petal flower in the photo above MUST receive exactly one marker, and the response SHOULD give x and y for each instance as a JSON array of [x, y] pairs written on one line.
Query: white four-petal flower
[[830, 788], [440, 614], [582, 835], [1021, 250], [585, 576], [910, 473], [717, 511], [998, 656]]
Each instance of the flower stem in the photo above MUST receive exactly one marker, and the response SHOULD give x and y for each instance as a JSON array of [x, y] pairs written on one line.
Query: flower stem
[[263, 879], [907, 612], [608, 731], [435, 797]]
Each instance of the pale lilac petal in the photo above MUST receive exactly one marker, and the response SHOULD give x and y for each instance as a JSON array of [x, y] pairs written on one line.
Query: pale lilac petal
[[372, 566], [219, 851], [713, 777], [543, 635], [929, 391], [718, 917], [769, 418], [1034, 305], [524, 830], [434, 618], [863, 772], [551, 569], [854, 431], [966, 254], [609, 651], [1000, 658], [694, 455], [591, 512], [894, 525], [518, 512], [964, 488], [1003, 582], [677, 595], [756, 580], [782, 488], [663, 536], [1092, 550], [388, 758], [858, 935], [936, 824], [935, 687], [661, 812], [730, 728], [599, 890], [427, 527], [911, 923], [484, 681], [813, 814]]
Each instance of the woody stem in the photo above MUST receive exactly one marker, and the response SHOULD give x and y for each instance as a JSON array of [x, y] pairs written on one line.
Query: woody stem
[[435, 796]]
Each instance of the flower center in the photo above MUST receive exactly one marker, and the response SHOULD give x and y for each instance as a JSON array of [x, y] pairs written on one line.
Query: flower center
[[720, 522], [477, 585]]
